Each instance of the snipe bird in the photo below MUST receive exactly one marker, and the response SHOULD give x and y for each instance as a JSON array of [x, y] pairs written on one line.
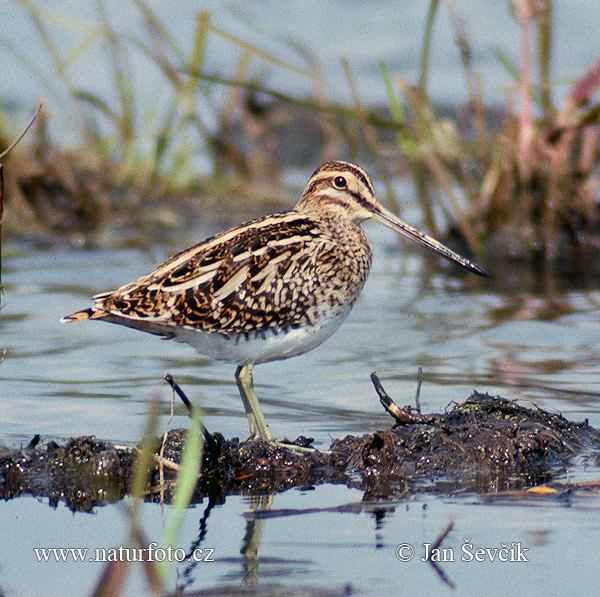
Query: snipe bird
[[269, 289]]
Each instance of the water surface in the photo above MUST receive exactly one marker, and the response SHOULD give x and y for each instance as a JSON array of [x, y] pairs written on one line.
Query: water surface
[[96, 379]]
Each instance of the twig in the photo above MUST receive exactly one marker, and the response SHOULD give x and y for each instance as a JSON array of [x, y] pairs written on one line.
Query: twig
[[418, 394], [33, 443], [436, 544], [434, 547], [166, 463], [211, 442], [12, 145], [402, 415], [155, 490]]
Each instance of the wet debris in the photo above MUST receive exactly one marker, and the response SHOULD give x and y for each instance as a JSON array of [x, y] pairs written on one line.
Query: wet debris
[[484, 444], [83, 473]]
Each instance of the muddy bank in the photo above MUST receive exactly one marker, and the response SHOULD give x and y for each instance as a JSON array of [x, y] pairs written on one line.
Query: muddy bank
[[484, 444]]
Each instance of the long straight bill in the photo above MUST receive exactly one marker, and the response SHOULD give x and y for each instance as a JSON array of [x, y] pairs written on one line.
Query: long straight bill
[[387, 218]]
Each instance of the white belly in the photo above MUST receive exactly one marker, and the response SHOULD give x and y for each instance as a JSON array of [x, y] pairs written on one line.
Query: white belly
[[262, 347]]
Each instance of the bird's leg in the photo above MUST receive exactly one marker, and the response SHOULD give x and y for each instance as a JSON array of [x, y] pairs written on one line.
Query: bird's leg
[[256, 420], [258, 425]]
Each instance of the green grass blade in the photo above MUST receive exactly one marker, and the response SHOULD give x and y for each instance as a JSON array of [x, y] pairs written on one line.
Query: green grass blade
[[154, 26], [199, 46], [427, 46], [187, 477], [255, 51], [510, 67], [395, 105], [145, 458], [124, 85], [335, 109], [404, 140], [98, 103]]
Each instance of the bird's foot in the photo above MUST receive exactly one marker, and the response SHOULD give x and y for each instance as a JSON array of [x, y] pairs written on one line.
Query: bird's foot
[[301, 445]]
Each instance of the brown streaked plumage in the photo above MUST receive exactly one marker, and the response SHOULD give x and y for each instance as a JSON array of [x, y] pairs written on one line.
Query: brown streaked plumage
[[268, 289]]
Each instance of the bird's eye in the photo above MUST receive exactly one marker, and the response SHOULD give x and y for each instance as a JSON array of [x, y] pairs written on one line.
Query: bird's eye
[[339, 182]]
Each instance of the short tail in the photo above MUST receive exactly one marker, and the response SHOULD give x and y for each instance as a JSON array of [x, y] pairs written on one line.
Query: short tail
[[79, 315], [149, 326]]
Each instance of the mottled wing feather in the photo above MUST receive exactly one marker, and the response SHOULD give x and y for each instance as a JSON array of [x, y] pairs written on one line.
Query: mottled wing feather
[[268, 274]]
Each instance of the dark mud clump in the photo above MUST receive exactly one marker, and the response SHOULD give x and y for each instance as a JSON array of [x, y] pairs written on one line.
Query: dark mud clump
[[484, 444], [83, 473]]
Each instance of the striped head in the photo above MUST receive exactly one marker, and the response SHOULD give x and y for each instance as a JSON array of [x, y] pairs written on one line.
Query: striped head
[[343, 190], [339, 189]]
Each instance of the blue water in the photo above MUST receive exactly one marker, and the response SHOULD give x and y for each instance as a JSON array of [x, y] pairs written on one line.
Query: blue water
[[328, 550]]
